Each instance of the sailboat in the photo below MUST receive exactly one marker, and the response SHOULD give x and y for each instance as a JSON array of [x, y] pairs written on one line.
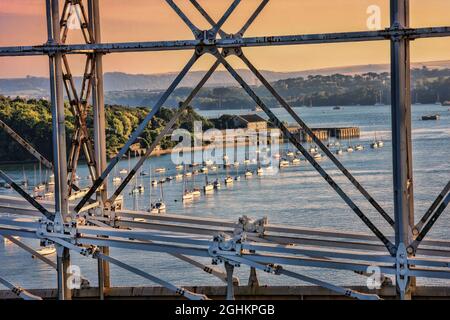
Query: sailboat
[[24, 181], [187, 195], [228, 179], [45, 251], [116, 180], [377, 143], [284, 163], [208, 186], [159, 206]]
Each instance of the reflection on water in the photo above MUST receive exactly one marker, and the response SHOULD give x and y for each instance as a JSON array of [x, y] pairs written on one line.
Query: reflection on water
[[302, 197]]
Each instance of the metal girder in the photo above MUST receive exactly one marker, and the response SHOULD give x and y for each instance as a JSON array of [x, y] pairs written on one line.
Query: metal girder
[[426, 228], [26, 196], [263, 41], [96, 254], [426, 216], [81, 140], [18, 291]]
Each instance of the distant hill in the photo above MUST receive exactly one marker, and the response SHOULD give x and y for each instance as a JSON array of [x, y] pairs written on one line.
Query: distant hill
[[38, 87]]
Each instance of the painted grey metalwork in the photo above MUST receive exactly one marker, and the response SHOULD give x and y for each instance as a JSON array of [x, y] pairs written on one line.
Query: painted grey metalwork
[[93, 226]]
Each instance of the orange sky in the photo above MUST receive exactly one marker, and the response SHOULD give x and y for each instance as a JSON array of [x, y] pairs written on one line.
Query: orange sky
[[22, 22]]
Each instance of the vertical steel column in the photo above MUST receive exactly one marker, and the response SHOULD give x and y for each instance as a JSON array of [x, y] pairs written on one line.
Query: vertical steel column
[[99, 133], [401, 136], [59, 142]]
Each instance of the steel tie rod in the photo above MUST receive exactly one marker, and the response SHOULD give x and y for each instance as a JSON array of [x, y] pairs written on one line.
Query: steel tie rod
[[391, 248], [278, 270], [18, 291], [415, 243], [98, 255], [137, 132], [27, 197], [427, 214]]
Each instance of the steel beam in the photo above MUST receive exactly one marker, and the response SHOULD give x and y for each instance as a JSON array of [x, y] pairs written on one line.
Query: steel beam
[[263, 41], [401, 135]]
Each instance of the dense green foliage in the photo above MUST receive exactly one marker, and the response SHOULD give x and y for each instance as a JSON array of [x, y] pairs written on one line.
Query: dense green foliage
[[428, 86], [32, 119]]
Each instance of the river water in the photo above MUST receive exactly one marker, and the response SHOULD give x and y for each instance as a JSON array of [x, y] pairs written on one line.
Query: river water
[[295, 196]]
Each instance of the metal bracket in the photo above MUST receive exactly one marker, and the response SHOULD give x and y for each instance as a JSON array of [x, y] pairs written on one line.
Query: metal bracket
[[402, 270], [250, 225]]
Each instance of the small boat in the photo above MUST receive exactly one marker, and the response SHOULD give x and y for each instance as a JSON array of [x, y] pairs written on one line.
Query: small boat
[[213, 168], [431, 117], [374, 145], [225, 158], [380, 144], [339, 151], [237, 178], [49, 195], [154, 183], [296, 161], [208, 187], [143, 174], [117, 181], [205, 169], [336, 108], [246, 161], [169, 178], [257, 109], [313, 149], [51, 180], [236, 163], [216, 184], [317, 156], [40, 187], [359, 147], [228, 180], [259, 171], [196, 192], [284, 163], [160, 170], [178, 176], [188, 174], [349, 149], [276, 156], [290, 154], [158, 207], [9, 242], [45, 251], [187, 195], [123, 171], [179, 167], [248, 174]]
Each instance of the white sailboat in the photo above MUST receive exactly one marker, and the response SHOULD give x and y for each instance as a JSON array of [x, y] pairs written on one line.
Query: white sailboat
[[45, 251]]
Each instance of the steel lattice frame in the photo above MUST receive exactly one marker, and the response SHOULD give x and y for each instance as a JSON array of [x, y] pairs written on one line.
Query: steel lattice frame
[[92, 226]]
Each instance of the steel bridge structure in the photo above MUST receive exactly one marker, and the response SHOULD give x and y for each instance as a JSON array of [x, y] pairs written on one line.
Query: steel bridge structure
[[94, 225]]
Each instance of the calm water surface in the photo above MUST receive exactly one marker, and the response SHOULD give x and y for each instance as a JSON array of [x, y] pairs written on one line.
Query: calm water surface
[[295, 196]]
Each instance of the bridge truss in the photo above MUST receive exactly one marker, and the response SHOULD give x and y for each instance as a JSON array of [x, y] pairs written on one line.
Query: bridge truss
[[95, 224]]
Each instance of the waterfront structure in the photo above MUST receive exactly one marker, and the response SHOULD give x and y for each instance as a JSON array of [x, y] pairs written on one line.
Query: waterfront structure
[[95, 223]]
